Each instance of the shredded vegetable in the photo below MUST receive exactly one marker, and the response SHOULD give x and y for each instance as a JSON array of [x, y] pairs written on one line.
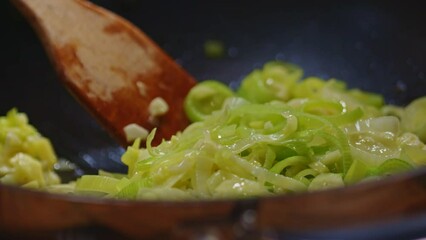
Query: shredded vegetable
[[278, 133]]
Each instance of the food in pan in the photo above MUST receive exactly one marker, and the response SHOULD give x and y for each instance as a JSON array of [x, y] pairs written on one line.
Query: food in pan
[[26, 157], [277, 133]]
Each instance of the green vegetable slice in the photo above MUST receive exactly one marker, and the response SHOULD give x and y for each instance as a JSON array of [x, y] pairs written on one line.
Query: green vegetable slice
[[308, 88], [204, 98], [414, 117], [392, 166], [326, 181], [97, 184], [273, 82]]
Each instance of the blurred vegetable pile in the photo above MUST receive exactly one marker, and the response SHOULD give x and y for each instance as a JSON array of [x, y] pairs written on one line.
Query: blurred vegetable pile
[[26, 157]]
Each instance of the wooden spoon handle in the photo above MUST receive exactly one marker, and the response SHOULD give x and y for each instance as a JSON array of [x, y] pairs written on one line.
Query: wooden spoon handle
[[111, 66]]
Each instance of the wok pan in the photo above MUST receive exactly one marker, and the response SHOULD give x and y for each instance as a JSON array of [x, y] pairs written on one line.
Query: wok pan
[[376, 46]]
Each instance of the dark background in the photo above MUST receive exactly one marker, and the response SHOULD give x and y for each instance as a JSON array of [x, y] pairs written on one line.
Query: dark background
[[374, 45]]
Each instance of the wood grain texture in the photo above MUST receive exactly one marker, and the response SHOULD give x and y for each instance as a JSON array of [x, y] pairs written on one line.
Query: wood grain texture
[[104, 60]]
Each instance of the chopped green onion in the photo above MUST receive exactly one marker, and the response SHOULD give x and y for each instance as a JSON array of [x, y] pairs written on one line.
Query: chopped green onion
[[273, 82], [277, 134], [204, 98]]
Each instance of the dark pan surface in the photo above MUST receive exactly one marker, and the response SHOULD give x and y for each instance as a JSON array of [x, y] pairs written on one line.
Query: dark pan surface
[[377, 45]]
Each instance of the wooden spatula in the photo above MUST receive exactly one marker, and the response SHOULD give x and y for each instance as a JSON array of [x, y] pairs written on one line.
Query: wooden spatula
[[110, 65]]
